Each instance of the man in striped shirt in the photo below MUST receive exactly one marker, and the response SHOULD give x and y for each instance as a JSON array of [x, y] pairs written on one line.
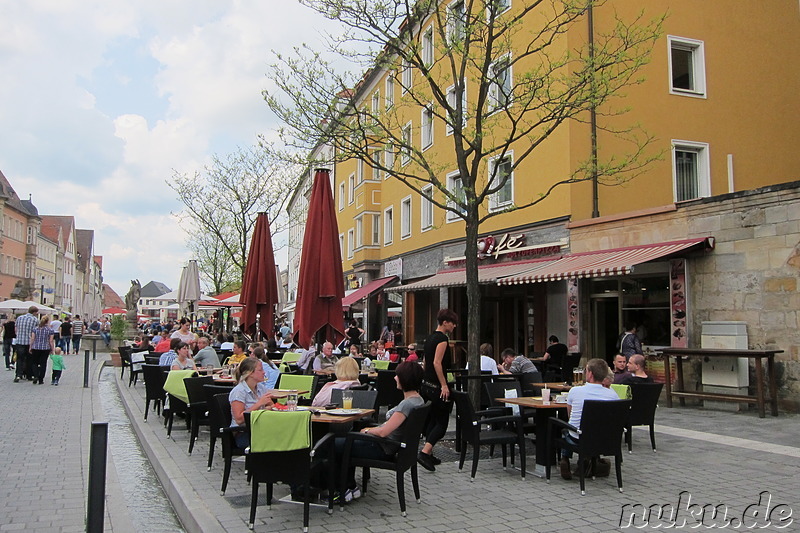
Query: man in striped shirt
[[24, 328], [77, 333]]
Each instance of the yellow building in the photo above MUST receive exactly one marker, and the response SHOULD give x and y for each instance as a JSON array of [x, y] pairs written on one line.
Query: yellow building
[[717, 99]]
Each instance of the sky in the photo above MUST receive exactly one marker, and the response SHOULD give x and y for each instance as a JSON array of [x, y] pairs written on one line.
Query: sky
[[101, 100]]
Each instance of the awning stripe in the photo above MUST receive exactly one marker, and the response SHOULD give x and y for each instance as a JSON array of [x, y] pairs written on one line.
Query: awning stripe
[[487, 274], [616, 262], [365, 291]]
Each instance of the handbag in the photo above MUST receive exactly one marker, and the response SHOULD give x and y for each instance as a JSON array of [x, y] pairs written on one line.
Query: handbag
[[430, 391]]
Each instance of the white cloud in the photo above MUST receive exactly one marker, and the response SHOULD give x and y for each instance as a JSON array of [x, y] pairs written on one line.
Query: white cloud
[[191, 72]]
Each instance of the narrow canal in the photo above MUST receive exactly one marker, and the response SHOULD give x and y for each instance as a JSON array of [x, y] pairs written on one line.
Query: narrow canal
[[148, 506]]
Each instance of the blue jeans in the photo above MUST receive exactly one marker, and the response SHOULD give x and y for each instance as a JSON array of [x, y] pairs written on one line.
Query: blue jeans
[[7, 351], [63, 343], [565, 453], [76, 343], [362, 449], [106, 337]]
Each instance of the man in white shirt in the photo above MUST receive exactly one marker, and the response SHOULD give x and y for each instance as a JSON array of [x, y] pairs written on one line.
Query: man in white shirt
[[596, 371]]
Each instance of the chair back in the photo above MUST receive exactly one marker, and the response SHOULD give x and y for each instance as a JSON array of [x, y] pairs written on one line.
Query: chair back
[[125, 354], [528, 379], [362, 399], [175, 386], [380, 365], [411, 430], [497, 389], [466, 416], [388, 393], [219, 409], [291, 466], [645, 401], [154, 379], [298, 382], [195, 389], [571, 361], [290, 357], [602, 424]]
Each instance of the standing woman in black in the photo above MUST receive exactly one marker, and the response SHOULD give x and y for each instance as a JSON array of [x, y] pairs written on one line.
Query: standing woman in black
[[434, 385]]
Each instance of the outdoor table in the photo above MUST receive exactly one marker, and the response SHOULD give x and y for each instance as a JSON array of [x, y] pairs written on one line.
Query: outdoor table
[[541, 414], [321, 416], [760, 397], [559, 386]]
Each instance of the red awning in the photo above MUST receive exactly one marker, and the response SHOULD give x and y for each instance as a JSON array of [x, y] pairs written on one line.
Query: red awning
[[365, 291], [487, 274], [616, 262]]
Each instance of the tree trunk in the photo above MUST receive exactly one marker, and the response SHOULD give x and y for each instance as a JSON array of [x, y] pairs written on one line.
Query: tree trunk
[[473, 305]]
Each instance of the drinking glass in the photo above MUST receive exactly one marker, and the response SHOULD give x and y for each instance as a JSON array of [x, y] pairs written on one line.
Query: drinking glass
[[576, 376], [291, 400], [226, 370], [347, 399], [546, 396]]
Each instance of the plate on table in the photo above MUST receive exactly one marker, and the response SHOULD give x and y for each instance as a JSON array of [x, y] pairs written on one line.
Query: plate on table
[[342, 412]]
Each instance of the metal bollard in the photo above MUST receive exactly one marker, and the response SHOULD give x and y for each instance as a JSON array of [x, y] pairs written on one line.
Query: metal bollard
[[86, 369], [98, 450]]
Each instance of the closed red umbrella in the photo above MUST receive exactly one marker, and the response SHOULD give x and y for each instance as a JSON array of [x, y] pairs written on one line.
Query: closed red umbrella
[[259, 288], [320, 287]]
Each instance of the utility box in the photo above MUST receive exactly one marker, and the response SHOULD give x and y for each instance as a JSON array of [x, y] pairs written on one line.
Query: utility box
[[727, 375]]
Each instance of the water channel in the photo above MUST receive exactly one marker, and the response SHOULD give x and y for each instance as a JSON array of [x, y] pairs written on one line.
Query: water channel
[[148, 506]]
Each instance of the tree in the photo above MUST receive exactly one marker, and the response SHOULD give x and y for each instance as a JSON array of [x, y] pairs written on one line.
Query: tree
[[220, 208], [526, 80]]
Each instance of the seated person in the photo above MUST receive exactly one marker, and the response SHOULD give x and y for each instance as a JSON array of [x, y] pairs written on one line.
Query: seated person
[[515, 364], [554, 354], [620, 369], [206, 355], [169, 356], [636, 368], [596, 371], [412, 356], [346, 370], [325, 362], [249, 395], [272, 346], [156, 339], [271, 372], [409, 380], [287, 343], [488, 364], [307, 356], [163, 344], [238, 353], [355, 350], [228, 344], [380, 352], [182, 360]]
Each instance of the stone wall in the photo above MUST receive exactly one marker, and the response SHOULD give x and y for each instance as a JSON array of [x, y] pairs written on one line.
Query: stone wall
[[751, 275]]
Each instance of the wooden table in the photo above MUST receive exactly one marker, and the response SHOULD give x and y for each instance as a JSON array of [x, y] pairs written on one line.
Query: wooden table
[[542, 413], [759, 399], [559, 386], [321, 416]]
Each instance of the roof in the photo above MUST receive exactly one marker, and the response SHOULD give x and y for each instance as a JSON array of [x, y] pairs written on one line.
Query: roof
[[153, 289], [98, 259], [111, 298], [54, 223], [12, 200]]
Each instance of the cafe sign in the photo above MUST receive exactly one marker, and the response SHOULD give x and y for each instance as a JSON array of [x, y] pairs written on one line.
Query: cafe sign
[[509, 245]]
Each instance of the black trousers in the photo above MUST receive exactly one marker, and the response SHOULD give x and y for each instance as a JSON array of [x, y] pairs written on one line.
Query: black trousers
[[23, 356], [438, 416], [39, 363]]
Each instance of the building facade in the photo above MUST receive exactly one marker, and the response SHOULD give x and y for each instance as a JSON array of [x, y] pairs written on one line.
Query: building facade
[[705, 231]]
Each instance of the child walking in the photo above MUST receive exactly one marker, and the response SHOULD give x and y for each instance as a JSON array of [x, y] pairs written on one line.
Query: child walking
[[58, 365]]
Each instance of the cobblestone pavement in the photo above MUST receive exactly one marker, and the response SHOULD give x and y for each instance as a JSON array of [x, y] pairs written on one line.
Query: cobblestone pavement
[[716, 457]]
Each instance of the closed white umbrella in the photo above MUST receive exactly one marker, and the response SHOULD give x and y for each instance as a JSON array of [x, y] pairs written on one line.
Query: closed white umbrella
[[189, 287], [42, 308]]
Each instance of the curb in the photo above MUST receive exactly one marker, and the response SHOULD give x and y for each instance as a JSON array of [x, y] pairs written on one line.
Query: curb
[[188, 504]]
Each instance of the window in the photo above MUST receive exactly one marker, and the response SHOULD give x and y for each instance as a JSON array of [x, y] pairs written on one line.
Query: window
[[690, 170], [427, 47], [28, 270], [456, 21], [456, 188], [388, 158], [390, 89], [341, 196], [500, 6], [376, 229], [31, 235], [452, 102], [500, 88], [686, 67], [406, 79], [426, 131], [360, 171], [350, 243], [499, 169], [359, 232], [351, 188], [405, 218], [405, 154], [376, 163], [376, 103], [426, 208], [388, 226]]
